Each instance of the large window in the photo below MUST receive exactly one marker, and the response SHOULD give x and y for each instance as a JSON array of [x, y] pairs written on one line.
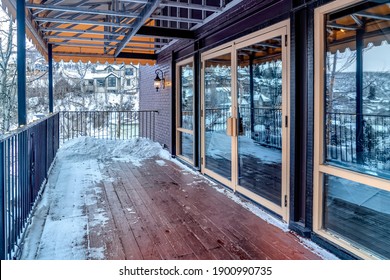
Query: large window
[[101, 82], [111, 82], [353, 126], [185, 110]]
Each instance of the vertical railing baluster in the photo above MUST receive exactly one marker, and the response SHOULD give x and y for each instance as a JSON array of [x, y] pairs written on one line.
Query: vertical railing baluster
[[2, 203]]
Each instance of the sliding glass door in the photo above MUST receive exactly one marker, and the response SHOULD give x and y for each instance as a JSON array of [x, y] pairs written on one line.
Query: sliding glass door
[[245, 116], [260, 137], [216, 112]]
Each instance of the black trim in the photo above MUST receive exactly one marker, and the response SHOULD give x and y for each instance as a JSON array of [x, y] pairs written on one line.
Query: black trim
[[166, 32], [137, 55], [197, 108], [173, 105]]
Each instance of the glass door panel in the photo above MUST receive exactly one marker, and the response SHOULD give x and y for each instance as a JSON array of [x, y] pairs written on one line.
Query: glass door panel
[[259, 119], [185, 107], [217, 112]]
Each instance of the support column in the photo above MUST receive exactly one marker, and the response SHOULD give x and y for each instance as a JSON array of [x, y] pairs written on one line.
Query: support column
[[50, 61], [359, 96], [21, 61], [2, 205]]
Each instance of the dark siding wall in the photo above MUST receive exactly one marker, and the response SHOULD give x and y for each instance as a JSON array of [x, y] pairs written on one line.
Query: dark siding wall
[[161, 101]]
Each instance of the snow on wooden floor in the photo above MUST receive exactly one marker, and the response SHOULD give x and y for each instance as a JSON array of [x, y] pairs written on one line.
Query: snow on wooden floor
[[110, 199]]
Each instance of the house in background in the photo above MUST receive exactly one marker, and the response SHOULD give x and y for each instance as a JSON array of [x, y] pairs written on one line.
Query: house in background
[[112, 79], [314, 152]]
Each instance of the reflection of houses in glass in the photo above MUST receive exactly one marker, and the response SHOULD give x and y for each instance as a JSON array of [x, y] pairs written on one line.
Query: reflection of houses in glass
[[112, 78]]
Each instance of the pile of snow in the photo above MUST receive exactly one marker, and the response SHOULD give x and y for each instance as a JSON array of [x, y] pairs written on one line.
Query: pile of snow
[[134, 150]]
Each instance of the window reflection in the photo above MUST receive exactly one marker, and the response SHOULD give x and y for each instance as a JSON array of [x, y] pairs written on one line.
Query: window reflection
[[217, 110], [187, 96], [259, 85], [358, 212], [357, 100]]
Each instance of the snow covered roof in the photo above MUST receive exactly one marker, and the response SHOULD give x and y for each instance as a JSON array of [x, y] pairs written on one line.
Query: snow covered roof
[[92, 76], [102, 67]]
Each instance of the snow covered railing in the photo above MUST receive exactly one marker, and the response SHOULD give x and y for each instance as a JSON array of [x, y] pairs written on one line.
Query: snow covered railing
[[107, 124], [25, 159]]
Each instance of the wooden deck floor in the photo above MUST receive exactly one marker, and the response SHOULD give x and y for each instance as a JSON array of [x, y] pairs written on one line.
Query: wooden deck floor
[[159, 211]]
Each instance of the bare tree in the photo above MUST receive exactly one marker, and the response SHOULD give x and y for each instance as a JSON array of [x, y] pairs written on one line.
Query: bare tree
[[8, 88]]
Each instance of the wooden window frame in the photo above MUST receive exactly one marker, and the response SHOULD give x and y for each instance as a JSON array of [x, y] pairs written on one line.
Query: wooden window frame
[[321, 169]]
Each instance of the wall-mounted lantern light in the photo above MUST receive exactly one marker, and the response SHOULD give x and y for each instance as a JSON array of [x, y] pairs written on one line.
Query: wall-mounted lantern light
[[159, 82]]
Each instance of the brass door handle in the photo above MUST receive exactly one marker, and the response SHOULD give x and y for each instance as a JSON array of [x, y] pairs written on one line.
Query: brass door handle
[[231, 127]]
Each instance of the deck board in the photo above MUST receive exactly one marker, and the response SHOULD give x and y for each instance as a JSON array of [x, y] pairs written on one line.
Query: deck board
[[157, 211]]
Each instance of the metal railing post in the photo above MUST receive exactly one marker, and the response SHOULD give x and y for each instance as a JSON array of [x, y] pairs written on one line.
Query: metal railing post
[[2, 204]]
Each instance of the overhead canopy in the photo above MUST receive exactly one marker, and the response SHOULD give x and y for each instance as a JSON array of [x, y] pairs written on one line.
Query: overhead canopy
[[373, 18], [129, 31]]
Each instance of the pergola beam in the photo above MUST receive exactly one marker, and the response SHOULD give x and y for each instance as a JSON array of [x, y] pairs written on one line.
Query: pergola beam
[[91, 39], [166, 32], [69, 9], [121, 55], [177, 19], [190, 6], [137, 55], [340, 26], [373, 16], [158, 33], [137, 24], [79, 31], [100, 46], [81, 21]]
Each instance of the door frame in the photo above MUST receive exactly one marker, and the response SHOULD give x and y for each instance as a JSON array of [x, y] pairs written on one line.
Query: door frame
[[179, 129], [224, 49], [280, 29]]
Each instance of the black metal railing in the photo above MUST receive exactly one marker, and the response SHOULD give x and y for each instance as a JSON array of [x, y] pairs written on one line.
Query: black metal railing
[[342, 140], [25, 159], [107, 124], [262, 124], [216, 118]]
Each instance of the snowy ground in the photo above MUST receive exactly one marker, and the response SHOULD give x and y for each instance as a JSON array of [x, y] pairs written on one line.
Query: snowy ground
[[59, 229]]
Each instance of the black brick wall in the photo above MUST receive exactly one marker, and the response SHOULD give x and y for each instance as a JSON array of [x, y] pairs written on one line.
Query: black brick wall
[[149, 99]]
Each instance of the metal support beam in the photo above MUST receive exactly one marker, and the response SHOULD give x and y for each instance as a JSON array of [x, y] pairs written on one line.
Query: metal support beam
[[21, 61], [166, 32], [144, 15], [37, 11], [89, 39], [50, 61], [373, 16], [138, 55], [359, 96], [92, 39], [79, 31], [81, 21], [177, 19], [69, 9], [190, 6], [102, 46]]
